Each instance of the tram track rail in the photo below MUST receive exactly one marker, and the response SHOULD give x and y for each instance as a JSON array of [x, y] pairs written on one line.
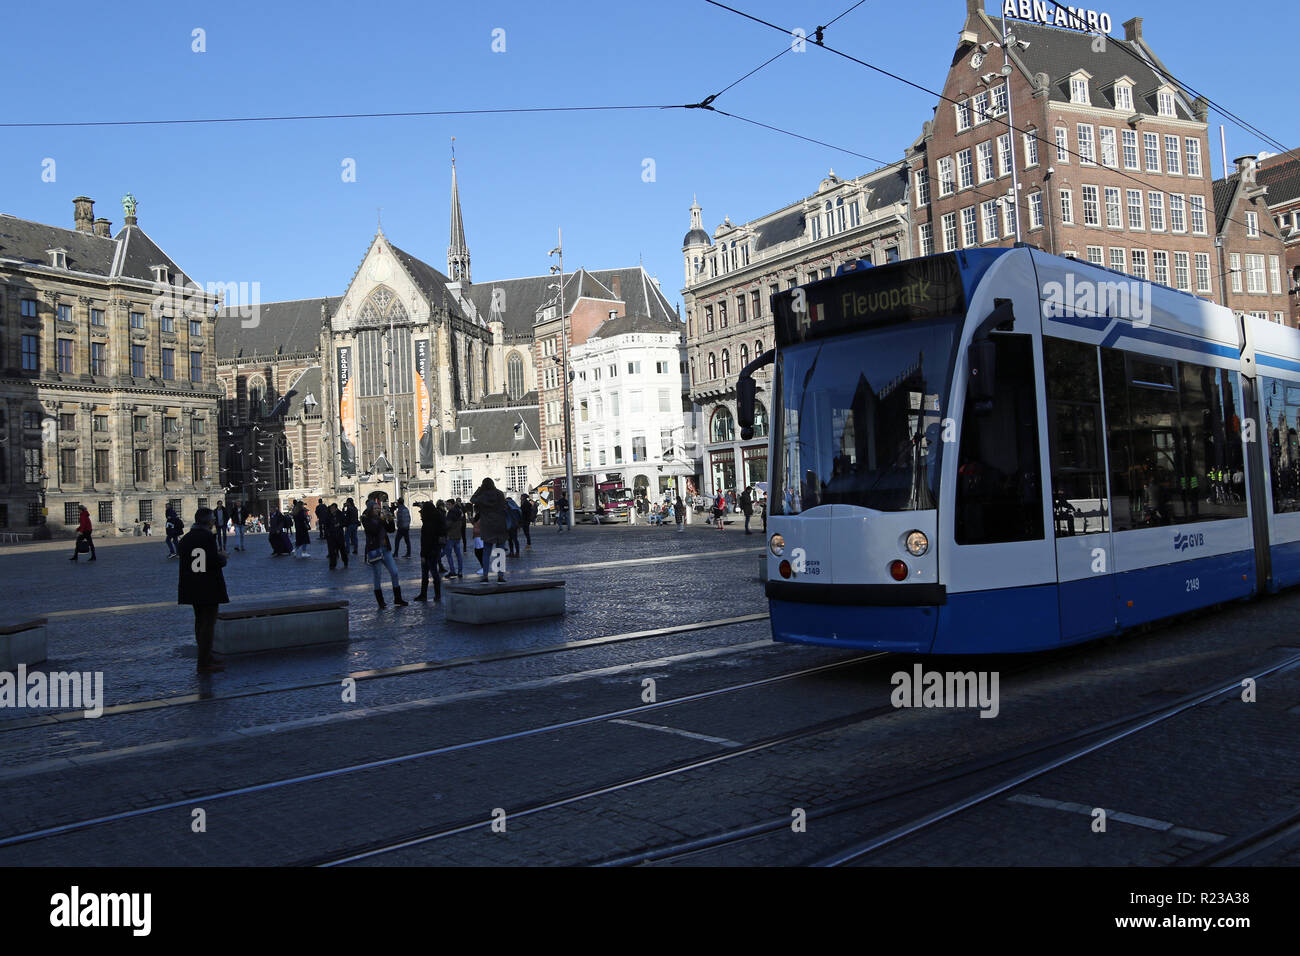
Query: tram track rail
[[396, 670], [335, 772], [1119, 727]]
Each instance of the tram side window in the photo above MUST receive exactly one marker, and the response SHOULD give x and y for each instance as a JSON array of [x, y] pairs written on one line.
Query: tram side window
[[1174, 440], [999, 487], [1080, 504], [1282, 420]]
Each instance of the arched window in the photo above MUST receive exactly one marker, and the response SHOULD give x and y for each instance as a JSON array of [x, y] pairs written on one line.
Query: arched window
[[744, 354], [515, 375], [839, 212], [487, 379], [256, 392], [760, 420], [692, 371], [726, 362], [469, 372], [830, 219], [758, 348], [723, 426], [713, 366]]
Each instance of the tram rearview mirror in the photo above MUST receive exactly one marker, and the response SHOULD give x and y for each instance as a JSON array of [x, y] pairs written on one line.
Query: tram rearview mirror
[[746, 393]]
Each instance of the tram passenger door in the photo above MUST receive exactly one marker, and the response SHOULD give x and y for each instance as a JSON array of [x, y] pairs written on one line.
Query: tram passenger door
[[1081, 513]]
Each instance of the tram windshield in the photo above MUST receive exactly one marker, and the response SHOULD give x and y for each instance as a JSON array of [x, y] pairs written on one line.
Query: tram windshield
[[861, 418]]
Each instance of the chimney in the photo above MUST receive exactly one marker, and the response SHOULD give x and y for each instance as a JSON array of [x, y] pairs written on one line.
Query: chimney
[[613, 313], [83, 213], [617, 286], [104, 228], [974, 7], [1133, 29], [1246, 166]]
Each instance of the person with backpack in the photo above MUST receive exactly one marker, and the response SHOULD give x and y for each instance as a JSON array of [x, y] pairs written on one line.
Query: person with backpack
[[83, 534], [403, 516], [378, 524], [433, 539], [174, 528], [202, 584], [490, 513], [514, 518]]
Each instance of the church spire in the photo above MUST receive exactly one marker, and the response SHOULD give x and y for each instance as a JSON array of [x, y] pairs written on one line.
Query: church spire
[[458, 251]]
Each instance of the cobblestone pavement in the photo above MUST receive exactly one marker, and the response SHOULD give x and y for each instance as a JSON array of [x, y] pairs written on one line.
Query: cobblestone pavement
[[1219, 770]]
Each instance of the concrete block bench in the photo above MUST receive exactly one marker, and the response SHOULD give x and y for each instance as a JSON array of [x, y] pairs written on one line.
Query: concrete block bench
[[242, 630], [492, 603], [22, 643]]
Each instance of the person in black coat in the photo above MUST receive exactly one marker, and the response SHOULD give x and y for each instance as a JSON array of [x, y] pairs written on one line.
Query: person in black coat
[[351, 521], [219, 524], [302, 530], [202, 584], [433, 538], [332, 527]]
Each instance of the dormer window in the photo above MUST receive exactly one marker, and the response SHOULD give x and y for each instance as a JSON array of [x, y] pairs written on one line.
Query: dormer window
[[1124, 97], [519, 430], [58, 258], [1079, 89], [1165, 103], [464, 436]]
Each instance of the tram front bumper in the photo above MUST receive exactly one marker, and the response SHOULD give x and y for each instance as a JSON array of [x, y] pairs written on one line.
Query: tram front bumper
[[900, 618]]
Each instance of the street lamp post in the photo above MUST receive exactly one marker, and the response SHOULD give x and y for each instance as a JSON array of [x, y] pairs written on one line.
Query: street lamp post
[[558, 251]]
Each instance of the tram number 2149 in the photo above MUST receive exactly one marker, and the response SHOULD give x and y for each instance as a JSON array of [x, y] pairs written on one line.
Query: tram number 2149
[[1193, 584]]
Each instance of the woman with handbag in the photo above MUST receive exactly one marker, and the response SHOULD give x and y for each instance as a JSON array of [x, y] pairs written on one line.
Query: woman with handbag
[[378, 524], [83, 535]]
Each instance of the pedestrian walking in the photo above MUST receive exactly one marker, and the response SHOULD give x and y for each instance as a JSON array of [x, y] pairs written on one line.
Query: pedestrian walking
[[527, 511], [320, 520], [490, 509], [334, 537], [514, 518], [561, 512], [239, 515], [202, 584], [351, 521], [84, 532], [746, 507], [301, 530], [219, 524], [679, 514], [433, 538], [403, 516], [455, 536], [378, 524], [173, 527]]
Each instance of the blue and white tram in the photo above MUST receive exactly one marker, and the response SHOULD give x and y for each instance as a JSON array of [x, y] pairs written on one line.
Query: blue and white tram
[[1001, 450]]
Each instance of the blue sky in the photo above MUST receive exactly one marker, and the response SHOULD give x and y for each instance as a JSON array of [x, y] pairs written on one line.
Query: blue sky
[[266, 202]]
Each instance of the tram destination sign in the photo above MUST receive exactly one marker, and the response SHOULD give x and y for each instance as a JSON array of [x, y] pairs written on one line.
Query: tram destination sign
[[926, 288]]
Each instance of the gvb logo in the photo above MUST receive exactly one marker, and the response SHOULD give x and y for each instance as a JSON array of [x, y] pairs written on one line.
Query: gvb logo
[[1184, 541]]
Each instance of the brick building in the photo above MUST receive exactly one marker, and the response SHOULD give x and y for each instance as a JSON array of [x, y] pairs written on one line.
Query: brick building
[[1251, 253], [107, 378], [731, 278], [1280, 175], [1112, 157]]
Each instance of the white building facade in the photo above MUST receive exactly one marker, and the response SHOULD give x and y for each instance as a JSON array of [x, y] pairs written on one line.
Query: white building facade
[[631, 413]]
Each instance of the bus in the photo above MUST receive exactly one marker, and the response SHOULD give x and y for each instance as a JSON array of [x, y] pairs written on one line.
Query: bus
[[1001, 450]]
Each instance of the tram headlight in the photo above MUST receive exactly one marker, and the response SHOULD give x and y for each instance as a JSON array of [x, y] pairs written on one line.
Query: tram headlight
[[917, 543], [777, 544]]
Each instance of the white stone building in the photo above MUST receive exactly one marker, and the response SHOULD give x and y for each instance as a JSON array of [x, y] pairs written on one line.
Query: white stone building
[[631, 413]]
